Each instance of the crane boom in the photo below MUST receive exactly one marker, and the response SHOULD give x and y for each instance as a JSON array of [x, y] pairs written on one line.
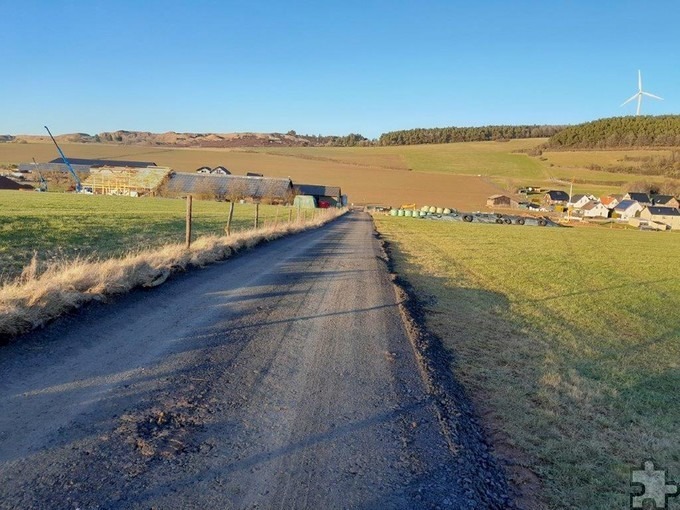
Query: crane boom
[[79, 186]]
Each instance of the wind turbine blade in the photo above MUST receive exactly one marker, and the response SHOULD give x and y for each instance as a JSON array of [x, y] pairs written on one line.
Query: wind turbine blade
[[652, 95], [639, 81], [629, 100]]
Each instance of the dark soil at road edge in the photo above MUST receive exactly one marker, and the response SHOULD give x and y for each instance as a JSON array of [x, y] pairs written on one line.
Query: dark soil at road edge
[[482, 471]]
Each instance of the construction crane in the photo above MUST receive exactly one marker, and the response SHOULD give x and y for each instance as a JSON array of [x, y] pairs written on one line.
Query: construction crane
[[43, 181], [79, 185]]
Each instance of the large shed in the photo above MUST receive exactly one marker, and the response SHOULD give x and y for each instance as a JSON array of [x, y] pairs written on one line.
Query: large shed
[[81, 166], [230, 187], [329, 194], [6, 183]]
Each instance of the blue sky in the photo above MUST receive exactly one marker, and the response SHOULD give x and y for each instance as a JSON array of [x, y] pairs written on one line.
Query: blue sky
[[326, 67]]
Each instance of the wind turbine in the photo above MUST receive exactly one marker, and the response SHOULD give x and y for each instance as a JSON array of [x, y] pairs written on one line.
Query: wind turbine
[[639, 94]]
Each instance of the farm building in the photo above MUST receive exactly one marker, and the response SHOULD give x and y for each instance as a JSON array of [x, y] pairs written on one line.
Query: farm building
[[667, 215], [556, 197], [627, 209], [126, 181], [594, 209], [80, 165], [501, 201], [665, 201], [9, 184], [330, 195], [229, 187], [641, 198]]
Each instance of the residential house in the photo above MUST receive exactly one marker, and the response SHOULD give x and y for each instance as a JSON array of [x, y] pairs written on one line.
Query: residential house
[[627, 209], [641, 198], [667, 215], [611, 201], [665, 201], [578, 201], [556, 197], [594, 209]]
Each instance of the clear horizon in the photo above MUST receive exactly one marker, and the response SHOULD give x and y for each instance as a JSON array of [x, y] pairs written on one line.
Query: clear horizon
[[329, 68]]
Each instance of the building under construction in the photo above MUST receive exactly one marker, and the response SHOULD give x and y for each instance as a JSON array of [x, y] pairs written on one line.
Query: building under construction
[[126, 181]]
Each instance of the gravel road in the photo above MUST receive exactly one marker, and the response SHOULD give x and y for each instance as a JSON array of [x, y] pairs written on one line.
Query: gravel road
[[282, 378]]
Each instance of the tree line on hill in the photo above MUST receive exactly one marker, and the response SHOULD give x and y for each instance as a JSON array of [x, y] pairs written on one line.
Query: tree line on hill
[[619, 132], [466, 134], [350, 140]]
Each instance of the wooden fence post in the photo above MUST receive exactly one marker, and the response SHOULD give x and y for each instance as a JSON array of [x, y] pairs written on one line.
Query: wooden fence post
[[290, 215], [188, 222], [257, 214], [231, 215]]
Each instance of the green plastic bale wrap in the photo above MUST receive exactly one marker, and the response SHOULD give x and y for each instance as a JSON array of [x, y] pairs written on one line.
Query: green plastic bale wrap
[[408, 213], [400, 213], [423, 214], [393, 212]]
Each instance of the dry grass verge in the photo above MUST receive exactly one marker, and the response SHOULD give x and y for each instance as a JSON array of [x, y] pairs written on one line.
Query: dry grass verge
[[40, 296]]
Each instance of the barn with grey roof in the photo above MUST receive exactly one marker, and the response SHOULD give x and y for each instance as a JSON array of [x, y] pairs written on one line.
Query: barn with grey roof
[[230, 187]]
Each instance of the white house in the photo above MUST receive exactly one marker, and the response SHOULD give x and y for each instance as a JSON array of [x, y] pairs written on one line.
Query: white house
[[628, 209], [611, 201], [578, 201], [595, 209]]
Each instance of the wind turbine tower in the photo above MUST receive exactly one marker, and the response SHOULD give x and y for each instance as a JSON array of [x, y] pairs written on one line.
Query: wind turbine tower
[[639, 95]]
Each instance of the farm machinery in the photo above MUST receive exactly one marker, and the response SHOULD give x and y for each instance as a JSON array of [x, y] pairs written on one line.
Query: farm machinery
[[500, 219], [446, 214]]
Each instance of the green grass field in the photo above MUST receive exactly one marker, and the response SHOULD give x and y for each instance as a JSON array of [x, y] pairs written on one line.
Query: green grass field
[[60, 225], [568, 339]]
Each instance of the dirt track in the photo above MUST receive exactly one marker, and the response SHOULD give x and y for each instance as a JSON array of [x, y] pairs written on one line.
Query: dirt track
[[283, 378]]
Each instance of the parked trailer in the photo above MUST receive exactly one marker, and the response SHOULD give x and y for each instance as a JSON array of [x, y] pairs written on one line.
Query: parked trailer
[[494, 218]]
